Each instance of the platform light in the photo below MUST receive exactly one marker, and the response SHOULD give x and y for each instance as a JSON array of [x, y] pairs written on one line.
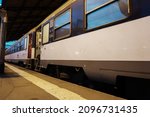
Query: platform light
[[10, 43], [1, 2]]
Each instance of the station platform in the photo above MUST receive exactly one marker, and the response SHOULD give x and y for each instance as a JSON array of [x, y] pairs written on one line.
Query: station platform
[[18, 83]]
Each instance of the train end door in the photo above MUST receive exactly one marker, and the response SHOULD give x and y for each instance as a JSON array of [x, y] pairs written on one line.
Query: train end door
[[30, 46]]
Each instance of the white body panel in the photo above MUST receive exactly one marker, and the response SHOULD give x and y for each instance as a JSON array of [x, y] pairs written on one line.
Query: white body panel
[[19, 56], [128, 41], [22, 55], [33, 53], [104, 54]]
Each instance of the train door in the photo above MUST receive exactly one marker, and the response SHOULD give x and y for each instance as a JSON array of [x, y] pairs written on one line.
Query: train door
[[30, 46], [38, 43], [38, 39]]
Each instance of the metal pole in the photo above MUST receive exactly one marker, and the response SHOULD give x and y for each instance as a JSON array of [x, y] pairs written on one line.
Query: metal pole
[[3, 15]]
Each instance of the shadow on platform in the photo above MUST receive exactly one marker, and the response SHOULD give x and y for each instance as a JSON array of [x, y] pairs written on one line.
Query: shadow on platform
[[9, 74]]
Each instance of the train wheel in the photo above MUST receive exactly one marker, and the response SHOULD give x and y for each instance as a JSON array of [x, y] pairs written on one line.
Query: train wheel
[[79, 77], [133, 88]]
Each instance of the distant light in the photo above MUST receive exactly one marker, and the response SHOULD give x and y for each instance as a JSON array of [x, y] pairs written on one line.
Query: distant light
[[8, 44], [1, 2]]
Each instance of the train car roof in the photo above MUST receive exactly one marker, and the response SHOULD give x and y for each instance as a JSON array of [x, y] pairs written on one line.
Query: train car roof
[[69, 2], [23, 15]]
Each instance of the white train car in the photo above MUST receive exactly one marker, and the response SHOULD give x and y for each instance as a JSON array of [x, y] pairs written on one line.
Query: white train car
[[23, 51], [18, 52], [103, 40]]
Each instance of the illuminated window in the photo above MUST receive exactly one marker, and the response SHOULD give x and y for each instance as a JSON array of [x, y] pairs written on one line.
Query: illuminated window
[[45, 33], [103, 12], [22, 44], [62, 25]]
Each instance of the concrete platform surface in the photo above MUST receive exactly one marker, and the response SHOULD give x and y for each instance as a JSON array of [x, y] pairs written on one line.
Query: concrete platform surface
[[23, 84]]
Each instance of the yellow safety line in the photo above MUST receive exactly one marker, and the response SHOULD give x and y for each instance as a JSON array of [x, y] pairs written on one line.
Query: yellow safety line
[[56, 91]]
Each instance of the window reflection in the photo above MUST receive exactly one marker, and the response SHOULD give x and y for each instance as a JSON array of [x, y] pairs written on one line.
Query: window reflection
[[112, 12], [63, 31], [91, 4], [62, 25], [105, 15], [62, 19], [22, 44]]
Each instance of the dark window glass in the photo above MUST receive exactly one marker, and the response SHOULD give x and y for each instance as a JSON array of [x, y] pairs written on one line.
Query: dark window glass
[[22, 44], [107, 14], [63, 31], [15, 48], [18, 47]]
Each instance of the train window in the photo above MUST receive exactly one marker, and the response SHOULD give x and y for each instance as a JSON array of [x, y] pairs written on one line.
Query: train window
[[22, 44], [63, 25], [18, 46], [11, 51], [92, 4], [63, 31], [51, 31], [103, 12], [45, 35], [15, 48], [25, 42]]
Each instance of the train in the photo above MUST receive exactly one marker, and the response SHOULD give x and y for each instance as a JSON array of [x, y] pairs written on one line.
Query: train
[[101, 40]]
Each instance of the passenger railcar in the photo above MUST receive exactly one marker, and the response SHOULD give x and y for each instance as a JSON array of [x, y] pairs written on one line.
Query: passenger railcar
[[101, 39], [18, 52], [23, 51]]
